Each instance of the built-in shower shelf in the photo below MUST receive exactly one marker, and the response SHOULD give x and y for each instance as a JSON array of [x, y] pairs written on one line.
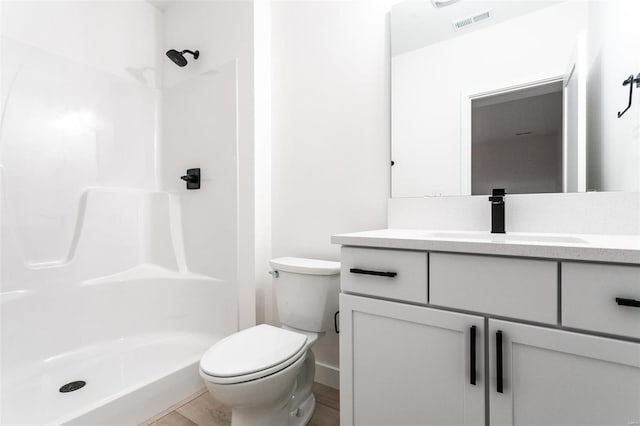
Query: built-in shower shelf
[[147, 271]]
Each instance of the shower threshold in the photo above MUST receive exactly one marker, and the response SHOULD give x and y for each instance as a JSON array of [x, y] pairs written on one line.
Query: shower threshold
[[127, 381]]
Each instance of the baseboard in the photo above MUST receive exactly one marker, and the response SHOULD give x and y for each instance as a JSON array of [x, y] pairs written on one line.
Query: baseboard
[[327, 375]]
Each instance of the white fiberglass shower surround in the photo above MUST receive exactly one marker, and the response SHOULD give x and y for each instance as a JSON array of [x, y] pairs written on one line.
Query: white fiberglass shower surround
[[111, 272]]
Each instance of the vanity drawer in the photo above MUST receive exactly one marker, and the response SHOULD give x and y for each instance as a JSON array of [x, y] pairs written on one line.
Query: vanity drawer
[[394, 274], [519, 288], [589, 293]]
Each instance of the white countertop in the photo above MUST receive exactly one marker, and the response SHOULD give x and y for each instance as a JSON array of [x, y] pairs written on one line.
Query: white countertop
[[583, 247]]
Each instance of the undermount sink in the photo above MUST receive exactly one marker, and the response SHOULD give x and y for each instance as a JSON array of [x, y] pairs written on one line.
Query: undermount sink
[[509, 237]]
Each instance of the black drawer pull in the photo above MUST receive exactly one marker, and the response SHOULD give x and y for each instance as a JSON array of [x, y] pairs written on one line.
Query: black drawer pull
[[628, 302], [472, 355], [367, 272], [499, 380]]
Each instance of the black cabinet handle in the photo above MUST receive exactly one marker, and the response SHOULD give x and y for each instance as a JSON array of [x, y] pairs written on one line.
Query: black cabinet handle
[[628, 302], [377, 273], [499, 386], [472, 355]]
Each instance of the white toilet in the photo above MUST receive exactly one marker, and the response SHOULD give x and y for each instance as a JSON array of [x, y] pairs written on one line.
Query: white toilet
[[265, 373]]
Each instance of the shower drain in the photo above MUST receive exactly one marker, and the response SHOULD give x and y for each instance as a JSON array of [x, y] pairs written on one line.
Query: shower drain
[[73, 386]]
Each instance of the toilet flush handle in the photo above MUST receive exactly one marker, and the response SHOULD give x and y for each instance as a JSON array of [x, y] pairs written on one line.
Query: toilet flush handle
[[274, 274]]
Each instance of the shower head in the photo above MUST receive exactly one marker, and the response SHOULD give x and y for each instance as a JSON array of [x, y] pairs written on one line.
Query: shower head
[[178, 57]]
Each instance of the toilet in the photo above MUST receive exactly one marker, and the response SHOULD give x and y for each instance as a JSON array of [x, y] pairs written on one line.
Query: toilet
[[265, 373]]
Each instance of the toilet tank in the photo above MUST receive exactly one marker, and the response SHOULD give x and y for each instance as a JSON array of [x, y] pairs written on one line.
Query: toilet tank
[[306, 292]]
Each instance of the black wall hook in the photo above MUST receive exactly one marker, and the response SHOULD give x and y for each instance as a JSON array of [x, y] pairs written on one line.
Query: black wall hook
[[630, 81]]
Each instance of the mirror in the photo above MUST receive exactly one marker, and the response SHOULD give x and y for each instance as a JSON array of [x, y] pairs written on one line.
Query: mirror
[[521, 95]]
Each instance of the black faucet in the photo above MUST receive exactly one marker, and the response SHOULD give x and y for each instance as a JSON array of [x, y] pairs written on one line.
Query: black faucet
[[497, 210]]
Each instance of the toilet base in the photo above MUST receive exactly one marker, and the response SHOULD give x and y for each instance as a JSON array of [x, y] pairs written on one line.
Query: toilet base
[[270, 415], [281, 399], [302, 415], [302, 403]]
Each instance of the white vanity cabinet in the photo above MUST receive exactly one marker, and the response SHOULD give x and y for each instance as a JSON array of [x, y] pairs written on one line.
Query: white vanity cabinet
[[392, 274], [522, 288], [408, 362], [554, 377], [409, 365], [595, 297]]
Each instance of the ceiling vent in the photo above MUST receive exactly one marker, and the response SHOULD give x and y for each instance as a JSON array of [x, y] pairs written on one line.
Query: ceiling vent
[[470, 20], [443, 3]]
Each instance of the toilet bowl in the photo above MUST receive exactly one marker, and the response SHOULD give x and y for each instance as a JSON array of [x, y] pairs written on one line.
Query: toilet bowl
[[265, 373]]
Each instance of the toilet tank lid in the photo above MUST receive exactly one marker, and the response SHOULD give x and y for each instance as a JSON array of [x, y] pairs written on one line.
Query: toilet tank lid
[[305, 266]]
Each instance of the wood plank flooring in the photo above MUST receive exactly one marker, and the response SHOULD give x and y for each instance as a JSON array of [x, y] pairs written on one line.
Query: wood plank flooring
[[203, 410]]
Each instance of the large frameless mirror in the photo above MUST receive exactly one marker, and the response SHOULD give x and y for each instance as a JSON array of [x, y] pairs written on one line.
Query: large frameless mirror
[[521, 95]]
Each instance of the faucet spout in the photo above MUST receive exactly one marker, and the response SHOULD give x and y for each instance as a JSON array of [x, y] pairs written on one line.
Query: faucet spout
[[497, 210]]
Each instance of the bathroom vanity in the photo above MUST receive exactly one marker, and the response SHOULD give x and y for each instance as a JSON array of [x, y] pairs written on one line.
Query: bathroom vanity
[[470, 328]]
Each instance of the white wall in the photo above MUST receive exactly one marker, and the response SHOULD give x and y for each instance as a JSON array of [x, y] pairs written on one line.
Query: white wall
[[428, 84], [223, 33], [330, 129], [262, 158], [613, 153]]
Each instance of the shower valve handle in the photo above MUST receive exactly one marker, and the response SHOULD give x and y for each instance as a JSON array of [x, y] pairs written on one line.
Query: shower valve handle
[[192, 178], [189, 178]]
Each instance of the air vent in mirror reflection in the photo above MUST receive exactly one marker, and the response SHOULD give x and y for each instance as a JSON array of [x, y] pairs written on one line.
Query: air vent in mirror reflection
[[470, 20]]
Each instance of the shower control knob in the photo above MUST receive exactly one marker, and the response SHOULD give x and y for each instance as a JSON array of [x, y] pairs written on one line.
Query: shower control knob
[[192, 178], [189, 178]]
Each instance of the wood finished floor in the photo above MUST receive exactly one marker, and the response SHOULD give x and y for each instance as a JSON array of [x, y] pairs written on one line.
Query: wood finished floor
[[206, 411]]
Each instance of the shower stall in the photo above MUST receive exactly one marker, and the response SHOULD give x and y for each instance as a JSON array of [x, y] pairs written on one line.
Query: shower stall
[[114, 278]]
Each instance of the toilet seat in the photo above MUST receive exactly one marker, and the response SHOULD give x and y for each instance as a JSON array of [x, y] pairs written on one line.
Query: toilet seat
[[252, 354]]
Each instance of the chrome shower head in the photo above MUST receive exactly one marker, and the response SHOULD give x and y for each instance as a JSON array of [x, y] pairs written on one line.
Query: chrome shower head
[[178, 57]]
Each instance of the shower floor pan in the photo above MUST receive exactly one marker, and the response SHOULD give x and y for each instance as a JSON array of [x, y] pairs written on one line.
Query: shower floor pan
[[127, 381]]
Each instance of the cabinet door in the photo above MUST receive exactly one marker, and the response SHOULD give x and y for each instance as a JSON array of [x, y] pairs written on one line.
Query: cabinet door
[[409, 365], [554, 377]]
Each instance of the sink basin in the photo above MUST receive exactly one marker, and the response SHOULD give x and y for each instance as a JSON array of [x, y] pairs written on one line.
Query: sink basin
[[507, 238]]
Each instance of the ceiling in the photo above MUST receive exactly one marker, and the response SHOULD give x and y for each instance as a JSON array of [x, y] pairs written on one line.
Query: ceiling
[[417, 23], [165, 4], [160, 4]]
